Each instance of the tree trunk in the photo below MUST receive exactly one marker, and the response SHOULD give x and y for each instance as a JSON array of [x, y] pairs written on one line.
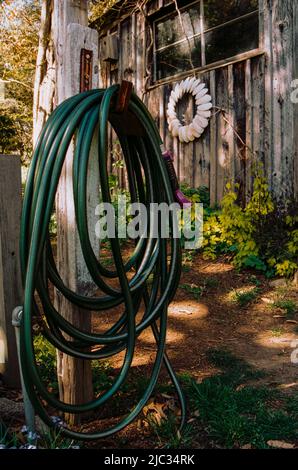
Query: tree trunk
[[45, 75]]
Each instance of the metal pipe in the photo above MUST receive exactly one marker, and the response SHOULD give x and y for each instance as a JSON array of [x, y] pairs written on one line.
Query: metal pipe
[[17, 315]]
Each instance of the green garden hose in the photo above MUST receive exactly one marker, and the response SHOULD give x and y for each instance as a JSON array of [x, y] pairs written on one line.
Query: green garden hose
[[82, 116]]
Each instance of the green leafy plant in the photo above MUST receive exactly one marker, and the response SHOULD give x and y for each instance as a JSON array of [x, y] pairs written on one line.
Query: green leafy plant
[[262, 236], [245, 297], [200, 194], [168, 434], [288, 306], [195, 291], [233, 413], [45, 354]]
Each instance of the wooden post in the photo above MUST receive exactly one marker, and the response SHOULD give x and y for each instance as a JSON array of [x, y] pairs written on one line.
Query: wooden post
[[64, 34], [71, 35], [10, 277], [75, 375]]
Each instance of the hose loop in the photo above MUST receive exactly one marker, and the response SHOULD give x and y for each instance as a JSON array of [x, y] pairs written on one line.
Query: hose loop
[[81, 118]]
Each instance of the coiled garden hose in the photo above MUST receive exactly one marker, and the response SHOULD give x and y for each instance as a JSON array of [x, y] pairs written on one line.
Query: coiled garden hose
[[82, 116]]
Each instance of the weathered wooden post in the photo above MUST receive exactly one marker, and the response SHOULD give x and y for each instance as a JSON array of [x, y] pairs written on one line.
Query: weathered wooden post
[[10, 277], [67, 64], [77, 55]]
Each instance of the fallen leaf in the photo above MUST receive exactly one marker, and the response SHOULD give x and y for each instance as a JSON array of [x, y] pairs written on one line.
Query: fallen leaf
[[240, 387], [280, 444], [191, 420], [246, 446], [156, 412], [266, 300], [166, 396], [139, 424]]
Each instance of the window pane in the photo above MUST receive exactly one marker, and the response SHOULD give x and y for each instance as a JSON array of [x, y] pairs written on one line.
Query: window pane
[[176, 58], [216, 13], [169, 30], [230, 40]]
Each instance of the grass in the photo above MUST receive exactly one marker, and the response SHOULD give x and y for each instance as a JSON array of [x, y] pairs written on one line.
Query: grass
[[169, 437], [198, 291], [276, 332], [252, 279], [46, 361], [7, 438], [234, 413], [50, 439], [289, 307], [228, 409], [211, 282], [244, 297], [54, 440], [195, 291], [187, 260]]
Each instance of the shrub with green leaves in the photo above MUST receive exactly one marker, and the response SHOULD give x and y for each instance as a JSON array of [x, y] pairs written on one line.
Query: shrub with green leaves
[[263, 235]]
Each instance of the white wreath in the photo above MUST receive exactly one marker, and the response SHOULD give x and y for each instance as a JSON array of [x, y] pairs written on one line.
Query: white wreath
[[200, 121]]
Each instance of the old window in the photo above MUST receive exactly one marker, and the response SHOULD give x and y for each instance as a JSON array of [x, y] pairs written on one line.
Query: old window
[[204, 32]]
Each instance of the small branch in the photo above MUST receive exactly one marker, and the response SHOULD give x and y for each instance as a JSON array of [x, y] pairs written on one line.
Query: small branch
[[184, 32], [223, 112], [148, 75], [254, 157], [11, 80]]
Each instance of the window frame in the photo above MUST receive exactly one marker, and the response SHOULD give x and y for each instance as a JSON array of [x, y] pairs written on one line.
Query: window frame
[[204, 66]]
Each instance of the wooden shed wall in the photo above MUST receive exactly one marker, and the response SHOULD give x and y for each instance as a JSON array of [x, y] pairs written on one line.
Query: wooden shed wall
[[252, 118]]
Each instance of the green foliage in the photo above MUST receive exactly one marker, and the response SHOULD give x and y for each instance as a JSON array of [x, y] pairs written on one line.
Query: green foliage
[[97, 8], [7, 438], [261, 236], [233, 413], [168, 435], [196, 291], [213, 244], [19, 27], [243, 298], [101, 374], [200, 194], [254, 280], [195, 195], [55, 440], [237, 417], [53, 225], [45, 354], [51, 439], [288, 306], [187, 260]]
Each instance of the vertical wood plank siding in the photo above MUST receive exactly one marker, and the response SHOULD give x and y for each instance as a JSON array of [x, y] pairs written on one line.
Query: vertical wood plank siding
[[252, 119]]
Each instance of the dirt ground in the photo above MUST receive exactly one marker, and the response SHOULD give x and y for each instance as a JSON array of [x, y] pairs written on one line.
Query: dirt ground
[[258, 333], [204, 315]]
